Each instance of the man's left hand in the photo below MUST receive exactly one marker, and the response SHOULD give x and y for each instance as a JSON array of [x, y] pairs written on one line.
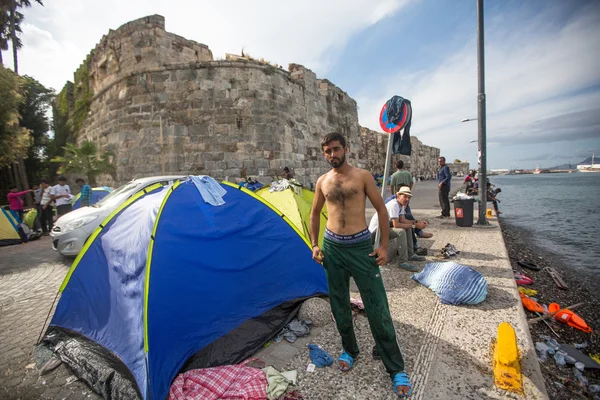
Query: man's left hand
[[381, 253]]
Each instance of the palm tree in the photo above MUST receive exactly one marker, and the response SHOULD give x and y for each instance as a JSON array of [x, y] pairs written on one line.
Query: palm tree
[[85, 159], [10, 25]]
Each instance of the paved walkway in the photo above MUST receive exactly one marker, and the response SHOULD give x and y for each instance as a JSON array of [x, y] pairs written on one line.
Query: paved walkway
[[30, 275], [446, 348]]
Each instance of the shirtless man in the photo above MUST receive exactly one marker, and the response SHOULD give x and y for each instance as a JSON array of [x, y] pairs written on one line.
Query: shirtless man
[[348, 252]]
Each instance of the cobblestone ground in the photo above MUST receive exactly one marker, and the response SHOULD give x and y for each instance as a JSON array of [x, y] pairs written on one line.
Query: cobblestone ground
[[30, 275]]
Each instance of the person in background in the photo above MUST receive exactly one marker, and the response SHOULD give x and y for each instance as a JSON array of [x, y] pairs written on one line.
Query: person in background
[[287, 174], [16, 202], [61, 194], [400, 178], [491, 196], [348, 252], [86, 192], [416, 232], [444, 177], [46, 207]]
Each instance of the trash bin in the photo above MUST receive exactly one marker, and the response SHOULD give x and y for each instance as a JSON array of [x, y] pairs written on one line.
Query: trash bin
[[463, 212]]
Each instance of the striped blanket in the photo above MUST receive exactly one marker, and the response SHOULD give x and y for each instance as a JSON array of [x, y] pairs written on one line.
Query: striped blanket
[[453, 283]]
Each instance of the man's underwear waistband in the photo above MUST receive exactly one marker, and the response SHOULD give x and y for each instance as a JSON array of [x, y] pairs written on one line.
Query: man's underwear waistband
[[348, 239]]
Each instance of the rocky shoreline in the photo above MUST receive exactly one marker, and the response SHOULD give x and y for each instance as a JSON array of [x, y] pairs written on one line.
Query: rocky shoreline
[[560, 383]]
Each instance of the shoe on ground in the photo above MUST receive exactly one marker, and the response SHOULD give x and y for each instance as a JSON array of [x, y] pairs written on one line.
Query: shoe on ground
[[426, 235], [421, 251], [416, 257], [406, 266], [409, 267]]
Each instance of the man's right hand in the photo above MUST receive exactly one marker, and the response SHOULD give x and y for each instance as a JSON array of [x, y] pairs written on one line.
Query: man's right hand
[[318, 254]]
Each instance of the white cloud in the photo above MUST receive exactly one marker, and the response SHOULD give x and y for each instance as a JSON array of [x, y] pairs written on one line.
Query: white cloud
[[281, 32], [530, 77]]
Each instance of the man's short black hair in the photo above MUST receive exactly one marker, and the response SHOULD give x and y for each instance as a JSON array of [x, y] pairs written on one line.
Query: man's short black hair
[[399, 164], [44, 180], [12, 187], [286, 169], [62, 178], [331, 137], [79, 180]]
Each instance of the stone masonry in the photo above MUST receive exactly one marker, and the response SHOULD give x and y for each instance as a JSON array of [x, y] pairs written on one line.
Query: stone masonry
[[422, 163], [156, 99]]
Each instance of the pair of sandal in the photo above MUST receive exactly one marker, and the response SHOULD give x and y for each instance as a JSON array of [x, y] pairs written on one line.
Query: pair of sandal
[[400, 379]]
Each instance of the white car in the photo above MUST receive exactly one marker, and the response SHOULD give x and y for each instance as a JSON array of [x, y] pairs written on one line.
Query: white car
[[72, 229]]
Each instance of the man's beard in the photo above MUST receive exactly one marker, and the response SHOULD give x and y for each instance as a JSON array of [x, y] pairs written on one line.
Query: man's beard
[[337, 162]]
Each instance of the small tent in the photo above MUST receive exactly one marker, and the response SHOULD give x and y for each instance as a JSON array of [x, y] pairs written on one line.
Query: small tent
[[8, 229], [98, 193], [169, 283], [296, 205]]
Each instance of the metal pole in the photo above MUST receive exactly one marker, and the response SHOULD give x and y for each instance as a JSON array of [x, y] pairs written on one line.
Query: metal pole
[[386, 173], [481, 143]]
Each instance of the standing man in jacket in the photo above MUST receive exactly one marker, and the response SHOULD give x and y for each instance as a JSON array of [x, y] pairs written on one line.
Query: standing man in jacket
[[444, 178]]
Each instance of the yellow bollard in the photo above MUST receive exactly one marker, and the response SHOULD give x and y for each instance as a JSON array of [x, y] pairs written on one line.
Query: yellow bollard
[[488, 213], [506, 362]]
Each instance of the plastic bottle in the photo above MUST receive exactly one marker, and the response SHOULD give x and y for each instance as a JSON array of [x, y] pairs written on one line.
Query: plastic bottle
[[581, 345], [580, 377], [580, 366], [570, 360], [559, 358], [594, 388], [553, 344], [542, 351]]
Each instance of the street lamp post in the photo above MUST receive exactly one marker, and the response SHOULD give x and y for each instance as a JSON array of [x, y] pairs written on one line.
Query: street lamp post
[[481, 156]]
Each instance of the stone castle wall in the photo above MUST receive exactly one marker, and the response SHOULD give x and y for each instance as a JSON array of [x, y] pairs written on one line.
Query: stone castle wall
[[423, 162], [153, 97], [220, 118]]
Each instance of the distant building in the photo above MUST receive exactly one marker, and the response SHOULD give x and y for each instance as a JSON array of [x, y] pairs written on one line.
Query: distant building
[[459, 168]]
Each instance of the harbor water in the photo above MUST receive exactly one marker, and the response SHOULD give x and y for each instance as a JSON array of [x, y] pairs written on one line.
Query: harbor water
[[560, 211]]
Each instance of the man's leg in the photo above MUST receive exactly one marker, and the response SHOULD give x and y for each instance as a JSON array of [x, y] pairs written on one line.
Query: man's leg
[[367, 276], [338, 282], [410, 243], [403, 251], [445, 202]]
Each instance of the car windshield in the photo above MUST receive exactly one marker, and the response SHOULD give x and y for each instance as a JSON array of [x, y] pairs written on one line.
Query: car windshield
[[119, 196]]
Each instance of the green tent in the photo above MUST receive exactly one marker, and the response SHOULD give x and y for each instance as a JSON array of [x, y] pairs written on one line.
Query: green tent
[[296, 205]]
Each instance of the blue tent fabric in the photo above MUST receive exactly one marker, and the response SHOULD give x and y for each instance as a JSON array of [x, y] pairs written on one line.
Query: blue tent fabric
[[252, 258], [104, 298], [211, 270], [453, 283]]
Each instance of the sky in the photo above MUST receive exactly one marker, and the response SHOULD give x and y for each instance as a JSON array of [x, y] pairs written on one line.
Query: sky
[[542, 61]]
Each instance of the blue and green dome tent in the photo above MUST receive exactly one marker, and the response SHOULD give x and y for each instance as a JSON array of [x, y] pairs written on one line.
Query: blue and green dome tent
[[98, 193], [169, 283]]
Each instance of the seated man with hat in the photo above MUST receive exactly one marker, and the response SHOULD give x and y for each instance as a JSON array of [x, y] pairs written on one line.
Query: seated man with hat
[[401, 228]]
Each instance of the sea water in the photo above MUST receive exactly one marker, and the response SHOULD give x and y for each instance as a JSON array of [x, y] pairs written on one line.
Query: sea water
[[561, 212]]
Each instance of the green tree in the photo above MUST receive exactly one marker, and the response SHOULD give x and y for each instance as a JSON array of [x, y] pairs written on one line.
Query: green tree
[[37, 100], [14, 139], [11, 20], [86, 160]]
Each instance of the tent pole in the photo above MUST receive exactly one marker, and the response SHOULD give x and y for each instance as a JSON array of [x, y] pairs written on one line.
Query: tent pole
[[386, 173]]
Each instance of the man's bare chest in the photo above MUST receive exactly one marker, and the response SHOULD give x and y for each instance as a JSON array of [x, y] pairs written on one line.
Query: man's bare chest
[[341, 191]]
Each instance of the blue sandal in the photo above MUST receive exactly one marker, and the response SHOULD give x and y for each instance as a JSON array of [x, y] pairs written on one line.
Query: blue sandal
[[401, 379], [348, 359]]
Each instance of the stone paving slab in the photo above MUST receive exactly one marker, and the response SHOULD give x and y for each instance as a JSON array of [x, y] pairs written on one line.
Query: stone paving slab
[[447, 349], [30, 275]]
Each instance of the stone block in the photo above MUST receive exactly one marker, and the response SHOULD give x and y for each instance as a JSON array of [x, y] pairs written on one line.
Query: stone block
[[316, 309]]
